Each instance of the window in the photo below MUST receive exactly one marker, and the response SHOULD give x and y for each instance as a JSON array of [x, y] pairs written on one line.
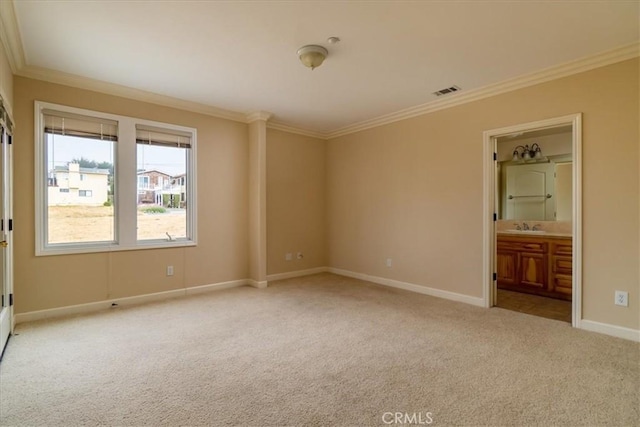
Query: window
[[108, 200], [163, 154], [72, 144], [143, 182]]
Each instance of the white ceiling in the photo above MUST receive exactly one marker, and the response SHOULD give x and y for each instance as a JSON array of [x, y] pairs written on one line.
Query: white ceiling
[[241, 55]]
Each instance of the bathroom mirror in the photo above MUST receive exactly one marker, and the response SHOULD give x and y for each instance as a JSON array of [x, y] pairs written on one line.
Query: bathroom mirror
[[535, 175]]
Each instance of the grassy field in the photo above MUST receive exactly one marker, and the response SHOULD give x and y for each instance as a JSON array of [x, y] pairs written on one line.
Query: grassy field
[[95, 223]]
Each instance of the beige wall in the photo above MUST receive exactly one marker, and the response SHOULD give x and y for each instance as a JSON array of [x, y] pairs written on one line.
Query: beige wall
[[222, 251], [295, 201], [412, 190]]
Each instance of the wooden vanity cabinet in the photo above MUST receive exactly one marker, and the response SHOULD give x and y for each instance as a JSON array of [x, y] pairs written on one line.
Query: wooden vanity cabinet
[[536, 265]]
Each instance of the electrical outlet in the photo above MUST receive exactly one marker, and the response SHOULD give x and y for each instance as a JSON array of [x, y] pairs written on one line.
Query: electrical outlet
[[288, 256], [169, 270], [389, 262], [622, 298], [299, 255]]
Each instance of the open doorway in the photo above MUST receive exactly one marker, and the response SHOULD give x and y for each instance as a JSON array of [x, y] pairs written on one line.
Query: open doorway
[[532, 232]]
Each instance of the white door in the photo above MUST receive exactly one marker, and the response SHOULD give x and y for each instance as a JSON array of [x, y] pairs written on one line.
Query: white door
[[564, 191], [530, 191], [6, 226]]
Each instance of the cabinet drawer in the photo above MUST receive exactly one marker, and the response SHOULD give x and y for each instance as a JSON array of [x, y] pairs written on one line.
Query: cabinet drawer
[[562, 264], [563, 248], [507, 245], [562, 283]]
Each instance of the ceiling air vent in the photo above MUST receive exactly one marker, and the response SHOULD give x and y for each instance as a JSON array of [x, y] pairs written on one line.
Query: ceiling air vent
[[446, 91]]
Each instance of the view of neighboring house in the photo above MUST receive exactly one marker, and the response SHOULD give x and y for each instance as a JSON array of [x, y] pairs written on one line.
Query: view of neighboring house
[[158, 188], [181, 182], [73, 185]]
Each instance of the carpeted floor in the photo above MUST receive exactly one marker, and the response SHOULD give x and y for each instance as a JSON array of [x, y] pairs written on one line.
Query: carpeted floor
[[321, 350]]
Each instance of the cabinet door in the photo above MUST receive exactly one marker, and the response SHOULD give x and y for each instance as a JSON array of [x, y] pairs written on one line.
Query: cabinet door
[[507, 267], [533, 270]]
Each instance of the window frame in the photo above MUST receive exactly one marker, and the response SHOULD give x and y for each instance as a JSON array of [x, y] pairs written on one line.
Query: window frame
[[125, 184]]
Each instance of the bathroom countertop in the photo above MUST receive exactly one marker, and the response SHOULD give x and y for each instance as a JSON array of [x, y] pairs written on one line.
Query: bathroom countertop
[[525, 234]]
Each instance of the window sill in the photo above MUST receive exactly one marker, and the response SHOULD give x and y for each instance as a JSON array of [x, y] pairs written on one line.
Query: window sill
[[98, 248]]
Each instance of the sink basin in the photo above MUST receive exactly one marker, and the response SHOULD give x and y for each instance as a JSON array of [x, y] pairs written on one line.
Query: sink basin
[[525, 231]]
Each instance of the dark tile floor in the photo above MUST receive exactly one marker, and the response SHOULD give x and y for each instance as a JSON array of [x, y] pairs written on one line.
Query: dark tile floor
[[549, 308]]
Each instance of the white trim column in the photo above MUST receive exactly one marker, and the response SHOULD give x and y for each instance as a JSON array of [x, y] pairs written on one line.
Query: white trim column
[[258, 198]]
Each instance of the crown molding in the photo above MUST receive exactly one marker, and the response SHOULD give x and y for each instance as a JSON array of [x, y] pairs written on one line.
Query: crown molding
[[258, 115], [11, 40], [552, 73], [59, 77], [10, 36], [298, 131]]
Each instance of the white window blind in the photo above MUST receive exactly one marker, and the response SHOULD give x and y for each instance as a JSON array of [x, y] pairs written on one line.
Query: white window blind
[[150, 136], [68, 124]]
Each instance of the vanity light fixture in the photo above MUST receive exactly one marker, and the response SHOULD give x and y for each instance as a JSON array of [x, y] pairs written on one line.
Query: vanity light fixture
[[312, 55], [528, 154]]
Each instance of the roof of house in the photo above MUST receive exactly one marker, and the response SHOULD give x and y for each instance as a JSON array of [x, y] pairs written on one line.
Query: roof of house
[[142, 172], [97, 171]]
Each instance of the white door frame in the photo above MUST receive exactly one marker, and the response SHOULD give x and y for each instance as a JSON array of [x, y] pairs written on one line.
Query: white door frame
[[489, 183], [6, 312]]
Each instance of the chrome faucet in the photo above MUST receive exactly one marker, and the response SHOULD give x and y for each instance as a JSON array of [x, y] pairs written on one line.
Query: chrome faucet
[[525, 226], [536, 227], [517, 226]]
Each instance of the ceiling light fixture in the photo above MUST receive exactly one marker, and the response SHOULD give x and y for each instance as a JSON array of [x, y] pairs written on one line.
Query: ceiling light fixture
[[312, 55], [528, 154]]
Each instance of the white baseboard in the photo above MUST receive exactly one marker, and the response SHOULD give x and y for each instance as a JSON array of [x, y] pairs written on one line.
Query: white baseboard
[[138, 299], [608, 329], [297, 273], [216, 286], [588, 325], [257, 284], [411, 287]]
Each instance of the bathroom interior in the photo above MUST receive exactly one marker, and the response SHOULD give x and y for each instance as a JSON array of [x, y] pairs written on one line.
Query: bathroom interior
[[534, 228]]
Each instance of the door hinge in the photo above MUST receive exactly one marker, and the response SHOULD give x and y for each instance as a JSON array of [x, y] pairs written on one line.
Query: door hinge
[[495, 216], [495, 156], [495, 276], [10, 300], [10, 225]]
